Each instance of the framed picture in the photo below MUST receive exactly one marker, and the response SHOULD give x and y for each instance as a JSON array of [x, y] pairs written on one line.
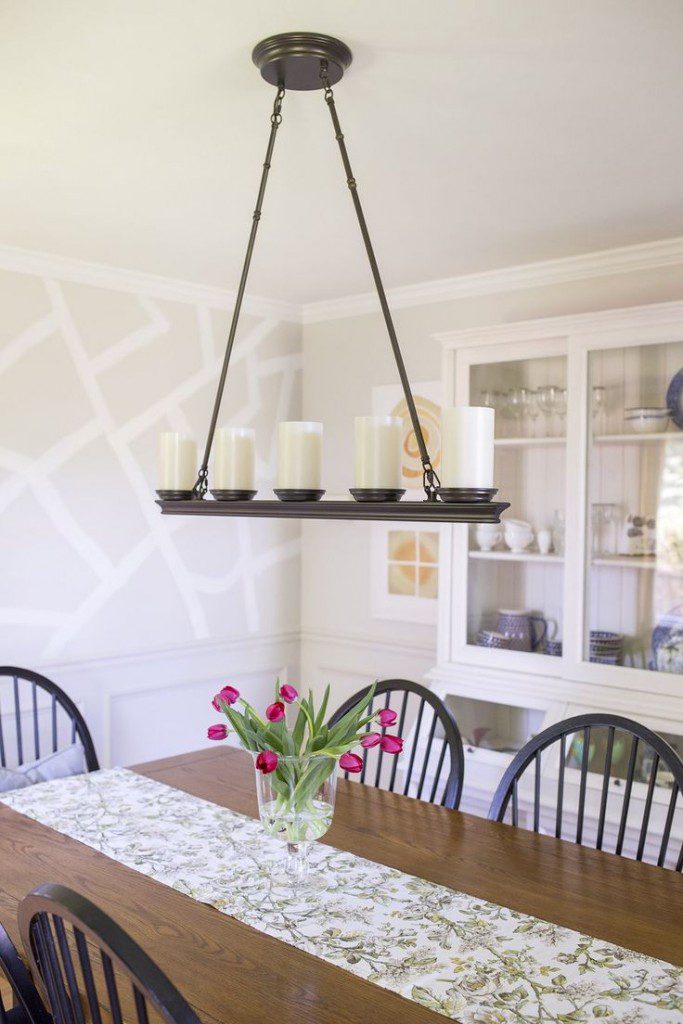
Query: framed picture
[[405, 560]]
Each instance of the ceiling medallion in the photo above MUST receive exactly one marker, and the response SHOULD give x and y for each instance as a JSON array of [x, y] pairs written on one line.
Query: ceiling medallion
[[309, 61]]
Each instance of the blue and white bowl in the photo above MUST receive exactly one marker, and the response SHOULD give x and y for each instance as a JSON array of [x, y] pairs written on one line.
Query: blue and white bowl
[[647, 419]]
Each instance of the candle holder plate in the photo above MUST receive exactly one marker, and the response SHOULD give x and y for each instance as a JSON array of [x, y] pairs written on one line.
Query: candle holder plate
[[292, 494], [458, 495], [377, 493], [175, 495], [223, 495]]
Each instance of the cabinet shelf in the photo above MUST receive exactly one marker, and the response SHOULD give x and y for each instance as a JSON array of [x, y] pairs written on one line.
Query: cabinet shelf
[[666, 435], [626, 561], [516, 556], [529, 442]]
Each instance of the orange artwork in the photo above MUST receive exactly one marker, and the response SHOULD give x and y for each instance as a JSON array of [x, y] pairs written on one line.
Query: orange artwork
[[429, 415]]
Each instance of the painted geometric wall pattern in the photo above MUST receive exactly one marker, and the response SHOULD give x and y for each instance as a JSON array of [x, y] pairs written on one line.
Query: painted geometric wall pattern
[[88, 377]]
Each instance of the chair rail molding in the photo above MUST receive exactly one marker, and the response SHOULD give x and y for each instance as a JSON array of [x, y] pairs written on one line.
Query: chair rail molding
[[154, 689]]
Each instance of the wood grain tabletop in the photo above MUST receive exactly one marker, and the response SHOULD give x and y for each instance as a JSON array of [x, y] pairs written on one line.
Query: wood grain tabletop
[[232, 974]]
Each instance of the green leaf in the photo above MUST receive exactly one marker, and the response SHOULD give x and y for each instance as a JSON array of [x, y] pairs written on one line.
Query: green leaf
[[298, 731], [320, 717]]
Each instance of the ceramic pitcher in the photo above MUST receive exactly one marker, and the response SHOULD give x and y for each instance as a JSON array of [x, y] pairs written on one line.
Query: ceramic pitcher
[[521, 626]]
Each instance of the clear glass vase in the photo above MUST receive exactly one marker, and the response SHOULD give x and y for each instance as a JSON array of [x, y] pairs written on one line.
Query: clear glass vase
[[296, 805]]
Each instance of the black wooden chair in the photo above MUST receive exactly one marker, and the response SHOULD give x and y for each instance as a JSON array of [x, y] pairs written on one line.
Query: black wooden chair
[[612, 729], [27, 1006], [442, 728], [37, 729], [84, 959]]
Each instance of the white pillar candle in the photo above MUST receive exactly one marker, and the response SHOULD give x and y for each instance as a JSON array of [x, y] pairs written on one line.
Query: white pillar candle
[[467, 446], [378, 451], [177, 462], [235, 459], [300, 456]]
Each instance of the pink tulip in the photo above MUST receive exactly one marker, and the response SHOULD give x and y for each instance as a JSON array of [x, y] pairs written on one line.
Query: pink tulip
[[217, 732], [351, 763], [371, 739], [288, 694], [386, 717], [228, 695], [275, 712], [266, 762], [391, 744]]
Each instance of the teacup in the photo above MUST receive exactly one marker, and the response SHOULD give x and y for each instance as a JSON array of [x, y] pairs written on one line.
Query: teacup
[[489, 638], [488, 535]]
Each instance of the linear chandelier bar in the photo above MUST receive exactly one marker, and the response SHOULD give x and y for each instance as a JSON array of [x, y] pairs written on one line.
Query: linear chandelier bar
[[400, 511]]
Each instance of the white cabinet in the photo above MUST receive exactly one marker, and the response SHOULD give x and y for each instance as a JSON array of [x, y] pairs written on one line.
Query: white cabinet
[[571, 460]]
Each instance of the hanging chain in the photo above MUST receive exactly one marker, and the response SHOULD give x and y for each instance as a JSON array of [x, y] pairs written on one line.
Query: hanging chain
[[200, 487], [430, 480]]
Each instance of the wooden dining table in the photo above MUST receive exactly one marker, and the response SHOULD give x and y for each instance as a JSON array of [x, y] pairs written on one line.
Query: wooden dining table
[[233, 974]]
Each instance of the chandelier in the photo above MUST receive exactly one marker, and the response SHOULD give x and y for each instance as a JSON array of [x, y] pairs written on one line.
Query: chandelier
[[310, 61]]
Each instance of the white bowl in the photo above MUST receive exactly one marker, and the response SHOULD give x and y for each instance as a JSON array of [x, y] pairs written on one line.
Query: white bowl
[[647, 420]]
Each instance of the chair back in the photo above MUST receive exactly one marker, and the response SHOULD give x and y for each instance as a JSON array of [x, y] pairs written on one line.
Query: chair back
[[36, 718], [431, 767], [90, 967], [610, 763], [25, 1005]]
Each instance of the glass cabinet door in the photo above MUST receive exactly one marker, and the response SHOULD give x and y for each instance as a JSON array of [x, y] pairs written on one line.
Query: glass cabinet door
[[634, 514], [515, 573]]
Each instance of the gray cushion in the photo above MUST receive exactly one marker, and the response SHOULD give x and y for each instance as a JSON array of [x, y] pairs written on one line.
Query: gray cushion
[[61, 764]]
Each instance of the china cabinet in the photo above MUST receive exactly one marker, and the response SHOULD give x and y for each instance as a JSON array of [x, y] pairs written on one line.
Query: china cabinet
[[581, 609]]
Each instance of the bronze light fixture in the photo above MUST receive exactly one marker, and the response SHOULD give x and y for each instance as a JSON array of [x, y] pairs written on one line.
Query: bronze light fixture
[[309, 61]]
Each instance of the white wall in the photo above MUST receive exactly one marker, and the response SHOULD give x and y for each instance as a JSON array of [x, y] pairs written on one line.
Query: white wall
[[344, 358], [138, 616]]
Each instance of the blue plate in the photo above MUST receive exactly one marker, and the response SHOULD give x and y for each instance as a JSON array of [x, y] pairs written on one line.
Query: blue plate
[[669, 630], [674, 399]]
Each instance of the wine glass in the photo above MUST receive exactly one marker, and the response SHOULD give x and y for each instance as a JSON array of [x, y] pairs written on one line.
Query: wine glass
[[532, 410], [516, 404], [598, 401], [544, 400], [561, 408]]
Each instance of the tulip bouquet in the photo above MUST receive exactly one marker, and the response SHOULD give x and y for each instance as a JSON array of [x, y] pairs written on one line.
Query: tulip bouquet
[[296, 761]]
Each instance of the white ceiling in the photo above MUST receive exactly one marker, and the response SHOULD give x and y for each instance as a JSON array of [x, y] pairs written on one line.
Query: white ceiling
[[483, 133]]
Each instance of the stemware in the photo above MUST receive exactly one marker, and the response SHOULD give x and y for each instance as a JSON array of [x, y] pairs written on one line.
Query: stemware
[[598, 403], [561, 408], [532, 410], [546, 403], [517, 402]]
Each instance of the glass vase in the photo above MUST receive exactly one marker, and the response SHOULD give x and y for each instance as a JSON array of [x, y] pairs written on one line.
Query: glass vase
[[296, 805]]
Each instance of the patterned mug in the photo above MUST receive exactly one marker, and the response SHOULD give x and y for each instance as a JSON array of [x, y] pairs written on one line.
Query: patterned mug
[[520, 627]]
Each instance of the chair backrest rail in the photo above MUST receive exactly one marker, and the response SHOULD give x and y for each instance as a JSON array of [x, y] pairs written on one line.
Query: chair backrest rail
[[48, 719], [647, 755], [416, 762]]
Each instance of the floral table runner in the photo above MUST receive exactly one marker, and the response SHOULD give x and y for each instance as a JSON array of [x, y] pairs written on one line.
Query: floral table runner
[[467, 959]]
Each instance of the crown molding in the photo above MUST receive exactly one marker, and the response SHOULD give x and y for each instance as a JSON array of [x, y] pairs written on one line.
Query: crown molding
[[136, 282], [629, 259], [625, 260], [622, 318]]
